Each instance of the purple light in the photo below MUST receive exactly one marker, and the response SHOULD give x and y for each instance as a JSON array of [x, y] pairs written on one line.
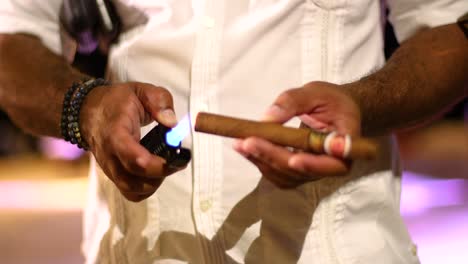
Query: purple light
[[59, 149], [87, 43], [421, 193], [436, 212]]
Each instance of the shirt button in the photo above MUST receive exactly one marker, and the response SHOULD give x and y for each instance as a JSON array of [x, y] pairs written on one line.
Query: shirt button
[[205, 205]]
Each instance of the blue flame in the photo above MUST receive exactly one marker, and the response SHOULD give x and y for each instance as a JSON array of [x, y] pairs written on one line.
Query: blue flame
[[178, 133]]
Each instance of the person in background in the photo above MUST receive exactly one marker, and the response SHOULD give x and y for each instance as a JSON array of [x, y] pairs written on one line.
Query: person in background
[[230, 57]]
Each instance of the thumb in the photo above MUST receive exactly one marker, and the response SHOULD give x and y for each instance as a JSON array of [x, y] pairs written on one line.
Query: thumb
[[157, 101], [296, 102]]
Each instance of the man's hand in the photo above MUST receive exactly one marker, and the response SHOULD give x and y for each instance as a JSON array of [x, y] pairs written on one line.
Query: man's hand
[[321, 106], [110, 116], [111, 120]]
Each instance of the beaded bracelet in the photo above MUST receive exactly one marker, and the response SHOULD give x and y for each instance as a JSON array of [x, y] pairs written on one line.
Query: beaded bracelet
[[72, 102], [65, 110]]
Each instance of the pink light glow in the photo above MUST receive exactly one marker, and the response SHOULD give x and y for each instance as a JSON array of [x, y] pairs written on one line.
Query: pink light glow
[[49, 195], [436, 212], [441, 234], [421, 193], [59, 149]]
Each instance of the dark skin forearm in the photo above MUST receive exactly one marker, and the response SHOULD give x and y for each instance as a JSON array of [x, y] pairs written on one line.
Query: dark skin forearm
[[426, 75], [33, 81]]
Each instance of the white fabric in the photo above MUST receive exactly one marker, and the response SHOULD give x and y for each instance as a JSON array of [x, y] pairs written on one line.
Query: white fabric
[[410, 16], [234, 58]]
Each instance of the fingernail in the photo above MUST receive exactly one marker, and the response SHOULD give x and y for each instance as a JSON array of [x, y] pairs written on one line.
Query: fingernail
[[255, 154], [295, 165], [142, 161], [252, 151], [168, 117], [273, 113], [237, 144]]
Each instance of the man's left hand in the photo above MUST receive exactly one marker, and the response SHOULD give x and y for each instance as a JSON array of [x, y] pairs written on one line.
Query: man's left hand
[[321, 106]]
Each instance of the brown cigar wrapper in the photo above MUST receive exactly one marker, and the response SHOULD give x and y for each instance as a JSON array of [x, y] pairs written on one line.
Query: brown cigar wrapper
[[299, 138]]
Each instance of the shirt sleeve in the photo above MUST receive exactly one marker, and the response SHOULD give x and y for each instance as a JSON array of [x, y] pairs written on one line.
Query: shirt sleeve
[[38, 18], [410, 16]]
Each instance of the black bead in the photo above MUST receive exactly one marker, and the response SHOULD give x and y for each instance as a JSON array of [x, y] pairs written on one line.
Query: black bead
[[73, 99]]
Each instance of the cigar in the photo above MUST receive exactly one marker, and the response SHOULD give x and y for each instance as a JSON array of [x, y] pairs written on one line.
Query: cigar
[[341, 146]]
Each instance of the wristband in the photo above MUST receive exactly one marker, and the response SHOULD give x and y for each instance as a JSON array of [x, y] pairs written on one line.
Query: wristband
[[70, 121], [65, 109]]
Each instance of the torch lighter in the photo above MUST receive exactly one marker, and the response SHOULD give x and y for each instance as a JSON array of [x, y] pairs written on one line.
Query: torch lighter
[[333, 144], [162, 141]]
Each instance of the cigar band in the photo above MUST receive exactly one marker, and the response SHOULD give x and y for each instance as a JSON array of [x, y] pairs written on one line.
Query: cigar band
[[337, 145]]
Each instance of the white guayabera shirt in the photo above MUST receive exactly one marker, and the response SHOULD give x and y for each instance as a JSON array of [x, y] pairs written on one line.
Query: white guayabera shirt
[[234, 57]]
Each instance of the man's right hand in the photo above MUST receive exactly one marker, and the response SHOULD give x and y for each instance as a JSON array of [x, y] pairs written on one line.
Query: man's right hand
[[111, 117]]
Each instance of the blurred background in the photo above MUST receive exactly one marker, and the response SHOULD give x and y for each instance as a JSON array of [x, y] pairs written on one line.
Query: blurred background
[[43, 185]]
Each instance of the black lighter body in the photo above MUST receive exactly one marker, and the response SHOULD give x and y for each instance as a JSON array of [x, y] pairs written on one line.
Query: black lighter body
[[155, 142]]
